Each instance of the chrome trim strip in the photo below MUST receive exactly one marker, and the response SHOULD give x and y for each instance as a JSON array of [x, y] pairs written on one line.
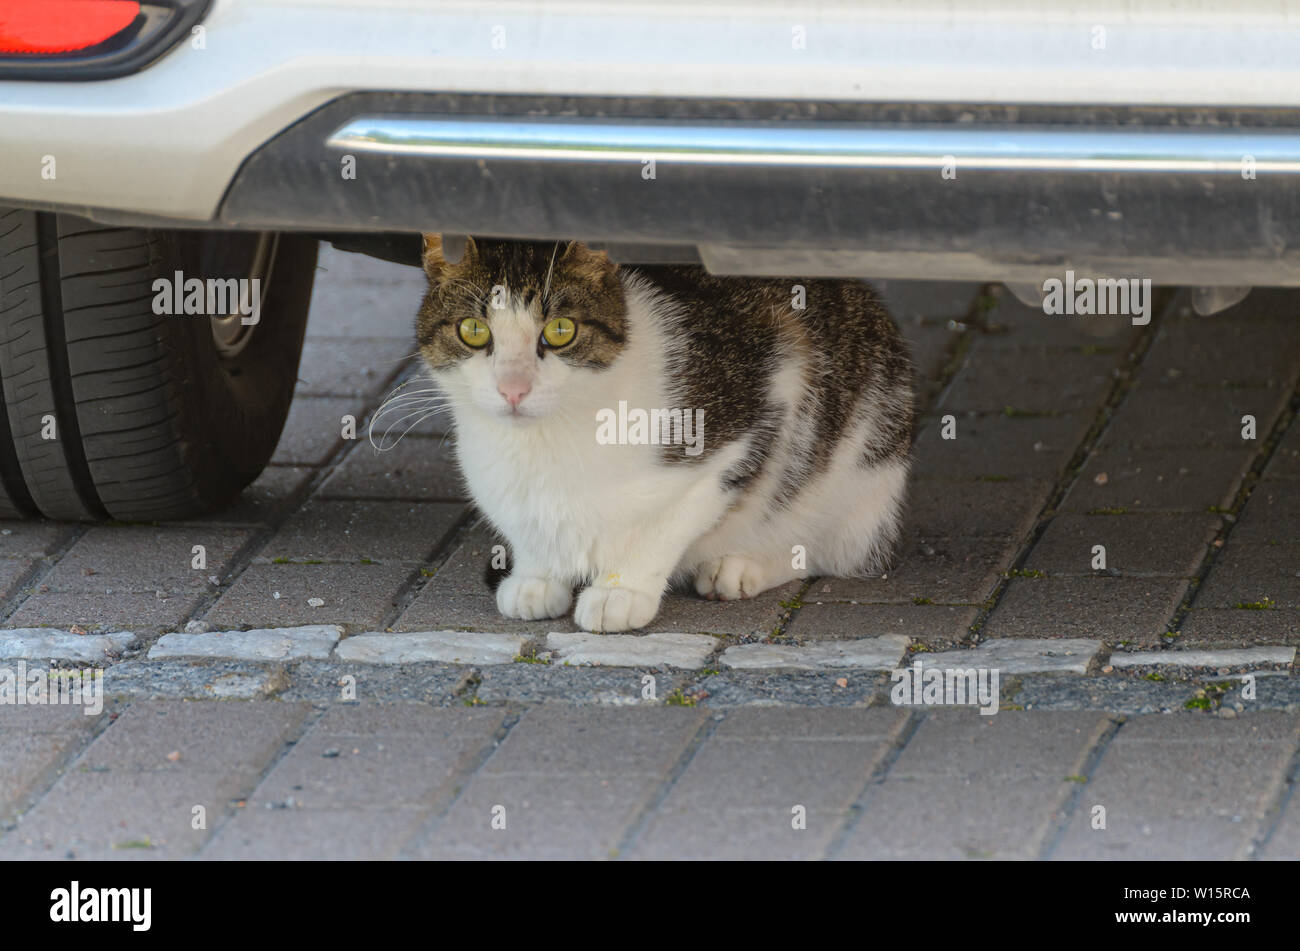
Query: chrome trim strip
[[826, 145]]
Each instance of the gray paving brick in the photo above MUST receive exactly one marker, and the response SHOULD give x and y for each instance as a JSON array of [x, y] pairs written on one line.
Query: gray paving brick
[[359, 296], [312, 642], [356, 366], [1014, 325], [1185, 786], [128, 558], [931, 623], [1269, 515], [909, 301], [1137, 545], [1019, 655], [265, 500], [949, 569], [354, 596], [348, 531], [314, 430], [1136, 610], [1025, 447], [132, 792], [34, 744], [1224, 348], [1253, 574], [142, 612], [570, 781], [1160, 417], [461, 647], [15, 574], [34, 643], [737, 796], [1235, 628], [1186, 480], [942, 509], [31, 539], [883, 652], [1284, 844], [1285, 463], [360, 782], [656, 649], [992, 787], [1028, 380], [415, 468]]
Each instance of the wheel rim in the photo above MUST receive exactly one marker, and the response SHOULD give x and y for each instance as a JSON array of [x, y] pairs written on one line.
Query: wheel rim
[[252, 261]]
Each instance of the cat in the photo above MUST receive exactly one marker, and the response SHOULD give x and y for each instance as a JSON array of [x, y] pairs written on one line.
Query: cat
[[627, 428]]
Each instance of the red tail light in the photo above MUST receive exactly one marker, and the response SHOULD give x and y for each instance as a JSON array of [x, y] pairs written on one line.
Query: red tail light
[[48, 27]]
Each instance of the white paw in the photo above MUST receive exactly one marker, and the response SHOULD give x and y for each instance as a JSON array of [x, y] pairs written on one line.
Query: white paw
[[531, 598], [732, 577], [614, 609]]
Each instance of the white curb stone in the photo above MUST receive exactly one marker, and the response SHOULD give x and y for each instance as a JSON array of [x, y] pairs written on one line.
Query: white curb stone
[[456, 647], [1013, 655], [310, 642], [43, 643], [1237, 657], [687, 651], [870, 653]]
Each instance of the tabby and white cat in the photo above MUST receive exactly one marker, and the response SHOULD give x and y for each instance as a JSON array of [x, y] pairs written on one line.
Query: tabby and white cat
[[798, 467]]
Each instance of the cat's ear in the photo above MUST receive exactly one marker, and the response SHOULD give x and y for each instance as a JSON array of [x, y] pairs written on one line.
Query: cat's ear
[[581, 261], [441, 252]]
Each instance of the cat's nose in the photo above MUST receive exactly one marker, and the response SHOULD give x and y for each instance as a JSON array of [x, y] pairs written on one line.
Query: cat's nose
[[514, 391]]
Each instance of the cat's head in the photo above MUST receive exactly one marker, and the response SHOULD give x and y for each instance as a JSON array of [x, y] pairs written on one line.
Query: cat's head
[[520, 329]]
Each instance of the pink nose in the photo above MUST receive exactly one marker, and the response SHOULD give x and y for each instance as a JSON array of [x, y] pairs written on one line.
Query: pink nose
[[514, 392]]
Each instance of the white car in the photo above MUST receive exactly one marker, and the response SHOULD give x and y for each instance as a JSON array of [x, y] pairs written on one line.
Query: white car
[[167, 168]]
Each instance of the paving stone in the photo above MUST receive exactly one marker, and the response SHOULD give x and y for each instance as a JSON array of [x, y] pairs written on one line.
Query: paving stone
[[356, 295], [1028, 380], [15, 575], [614, 686], [666, 649], [1262, 351], [1014, 325], [415, 468], [35, 742], [1001, 447], [1285, 462], [142, 612], [992, 786], [42, 643], [436, 607], [351, 366], [568, 782], [1182, 787], [1269, 516], [144, 559], [461, 647], [996, 509], [1284, 844], [1137, 545], [1253, 574], [350, 531], [1234, 628], [313, 431], [752, 617], [281, 643], [353, 596], [133, 791], [941, 569], [1020, 656], [1135, 610], [30, 539], [265, 500], [1173, 480], [929, 342], [1160, 417], [1242, 657], [930, 623], [337, 682], [736, 798], [868, 653], [824, 688], [358, 784], [909, 301], [186, 680]]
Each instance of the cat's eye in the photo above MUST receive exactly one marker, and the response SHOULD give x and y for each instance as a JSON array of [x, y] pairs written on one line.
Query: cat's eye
[[474, 332], [558, 332]]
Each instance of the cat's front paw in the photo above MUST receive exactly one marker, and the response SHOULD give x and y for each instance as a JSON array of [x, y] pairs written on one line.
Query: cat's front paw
[[532, 598], [614, 609], [733, 577]]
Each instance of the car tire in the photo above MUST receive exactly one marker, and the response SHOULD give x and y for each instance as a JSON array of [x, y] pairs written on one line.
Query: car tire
[[114, 410]]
